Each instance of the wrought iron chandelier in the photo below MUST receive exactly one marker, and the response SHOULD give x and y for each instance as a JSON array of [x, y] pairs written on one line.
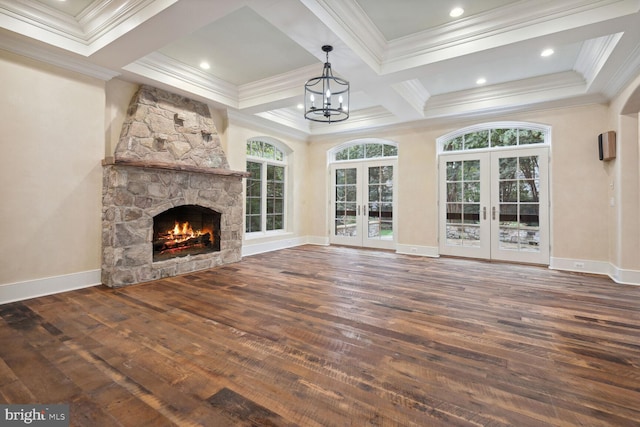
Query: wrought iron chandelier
[[326, 98]]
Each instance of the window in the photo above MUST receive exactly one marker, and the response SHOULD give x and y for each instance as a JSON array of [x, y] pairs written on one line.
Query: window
[[265, 195], [497, 135], [370, 149]]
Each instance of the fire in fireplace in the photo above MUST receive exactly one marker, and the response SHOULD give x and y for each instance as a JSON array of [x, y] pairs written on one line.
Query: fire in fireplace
[[185, 230]]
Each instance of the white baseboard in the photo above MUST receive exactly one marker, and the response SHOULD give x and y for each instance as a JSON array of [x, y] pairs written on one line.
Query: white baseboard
[[19, 291], [618, 275], [249, 248], [428, 251], [625, 277]]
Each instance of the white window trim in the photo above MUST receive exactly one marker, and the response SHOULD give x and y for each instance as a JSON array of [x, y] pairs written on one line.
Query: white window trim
[[264, 162]]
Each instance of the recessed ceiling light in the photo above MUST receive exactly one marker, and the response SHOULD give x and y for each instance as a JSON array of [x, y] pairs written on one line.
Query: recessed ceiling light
[[547, 52], [456, 11], [205, 65], [481, 81]]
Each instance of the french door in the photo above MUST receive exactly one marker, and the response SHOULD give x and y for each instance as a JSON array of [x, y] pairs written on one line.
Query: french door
[[363, 204], [495, 205]]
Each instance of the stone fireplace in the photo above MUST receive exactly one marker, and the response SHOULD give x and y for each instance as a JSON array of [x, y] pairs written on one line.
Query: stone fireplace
[[171, 205]]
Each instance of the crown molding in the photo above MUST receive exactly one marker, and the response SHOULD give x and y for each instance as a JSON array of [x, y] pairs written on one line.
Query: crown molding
[[287, 118], [624, 74], [42, 16], [528, 91], [164, 69], [283, 86], [594, 54], [366, 118], [414, 92], [36, 21], [349, 22], [106, 20], [13, 44], [266, 125], [95, 27], [507, 25]]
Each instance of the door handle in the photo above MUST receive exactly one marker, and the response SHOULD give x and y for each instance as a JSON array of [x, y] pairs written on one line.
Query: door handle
[[358, 210], [484, 212], [493, 213], [364, 210]]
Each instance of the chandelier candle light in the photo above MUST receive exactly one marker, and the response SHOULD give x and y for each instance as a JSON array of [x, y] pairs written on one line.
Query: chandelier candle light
[[326, 98]]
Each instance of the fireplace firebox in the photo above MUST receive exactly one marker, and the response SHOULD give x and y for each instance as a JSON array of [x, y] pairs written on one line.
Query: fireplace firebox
[[185, 230]]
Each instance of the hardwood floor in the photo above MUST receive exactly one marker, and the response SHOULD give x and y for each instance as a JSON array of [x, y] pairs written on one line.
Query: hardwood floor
[[334, 336]]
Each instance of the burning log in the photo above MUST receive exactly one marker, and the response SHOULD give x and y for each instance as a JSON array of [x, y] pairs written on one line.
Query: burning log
[[174, 242]]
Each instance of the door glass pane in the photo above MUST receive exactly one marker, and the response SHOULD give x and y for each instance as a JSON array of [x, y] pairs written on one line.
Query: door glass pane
[[472, 192], [472, 236], [508, 167], [346, 202], [454, 192], [380, 203], [508, 191], [471, 213], [463, 203], [519, 220], [471, 170], [454, 171]]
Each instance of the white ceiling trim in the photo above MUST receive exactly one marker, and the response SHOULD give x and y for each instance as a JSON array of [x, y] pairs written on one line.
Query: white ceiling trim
[[349, 22], [594, 54], [76, 64], [100, 24], [267, 125], [34, 21], [159, 67], [278, 88], [368, 118], [414, 92], [107, 20], [629, 69], [512, 95], [518, 22], [287, 118]]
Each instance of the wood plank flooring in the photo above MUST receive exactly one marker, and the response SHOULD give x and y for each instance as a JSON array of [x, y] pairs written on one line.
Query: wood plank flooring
[[334, 336]]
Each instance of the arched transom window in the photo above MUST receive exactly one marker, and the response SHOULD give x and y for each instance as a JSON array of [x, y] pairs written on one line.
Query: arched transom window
[[494, 135], [364, 149]]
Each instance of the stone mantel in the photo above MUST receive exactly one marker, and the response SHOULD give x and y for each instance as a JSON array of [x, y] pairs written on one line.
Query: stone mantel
[[173, 166]]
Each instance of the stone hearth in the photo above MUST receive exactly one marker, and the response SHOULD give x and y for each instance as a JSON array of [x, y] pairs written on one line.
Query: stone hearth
[[168, 155]]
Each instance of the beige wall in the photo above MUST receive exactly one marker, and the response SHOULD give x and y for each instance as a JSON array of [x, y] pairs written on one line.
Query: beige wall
[[625, 171], [52, 125], [118, 95], [579, 183]]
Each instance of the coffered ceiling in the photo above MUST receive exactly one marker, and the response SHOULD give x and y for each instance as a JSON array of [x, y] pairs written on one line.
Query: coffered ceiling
[[406, 60]]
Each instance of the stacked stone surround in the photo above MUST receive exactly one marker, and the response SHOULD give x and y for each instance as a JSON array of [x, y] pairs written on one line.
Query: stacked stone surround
[[168, 155]]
